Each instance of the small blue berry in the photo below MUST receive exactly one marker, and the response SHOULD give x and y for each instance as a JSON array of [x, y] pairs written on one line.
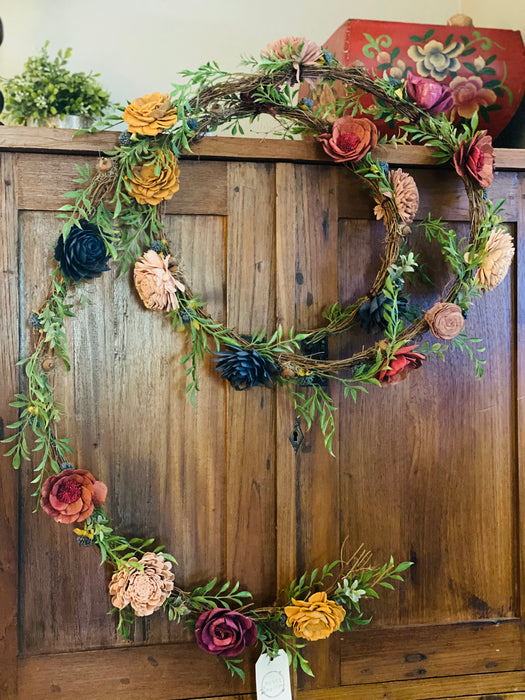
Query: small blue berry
[[34, 321], [84, 541], [307, 102], [124, 138], [157, 246], [66, 465], [193, 124]]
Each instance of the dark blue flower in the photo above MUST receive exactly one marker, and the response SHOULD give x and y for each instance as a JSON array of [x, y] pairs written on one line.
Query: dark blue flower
[[372, 312], [83, 254], [245, 368]]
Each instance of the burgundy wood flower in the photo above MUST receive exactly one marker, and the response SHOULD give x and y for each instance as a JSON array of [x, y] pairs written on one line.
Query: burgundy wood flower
[[225, 632], [350, 140], [475, 159], [71, 496]]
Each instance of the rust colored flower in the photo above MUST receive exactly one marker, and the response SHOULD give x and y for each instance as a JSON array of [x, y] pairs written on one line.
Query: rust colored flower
[[303, 51], [475, 159], [499, 252], [144, 590], [148, 187], [315, 618], [445, 320], [350, 140], [71, 496], [155, 282], [399, 366], [151, 114], [406, 196]]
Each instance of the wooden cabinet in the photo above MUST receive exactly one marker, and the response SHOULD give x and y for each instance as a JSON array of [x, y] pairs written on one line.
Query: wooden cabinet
[[430, 470]]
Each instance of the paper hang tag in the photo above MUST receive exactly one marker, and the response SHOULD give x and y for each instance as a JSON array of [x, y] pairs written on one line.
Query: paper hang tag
[[272, 677]]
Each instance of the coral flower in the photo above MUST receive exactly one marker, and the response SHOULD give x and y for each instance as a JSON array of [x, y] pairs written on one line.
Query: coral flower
[[71, 496], [351, 139], [399, 366]]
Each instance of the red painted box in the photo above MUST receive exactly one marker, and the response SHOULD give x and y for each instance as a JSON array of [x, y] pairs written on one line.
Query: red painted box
[[484, 68]]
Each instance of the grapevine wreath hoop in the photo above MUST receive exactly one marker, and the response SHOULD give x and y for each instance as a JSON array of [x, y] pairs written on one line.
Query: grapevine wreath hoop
[[115, 213]]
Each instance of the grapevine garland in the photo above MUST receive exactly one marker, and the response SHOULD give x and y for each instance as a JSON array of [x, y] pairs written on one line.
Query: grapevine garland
[[115, 214]]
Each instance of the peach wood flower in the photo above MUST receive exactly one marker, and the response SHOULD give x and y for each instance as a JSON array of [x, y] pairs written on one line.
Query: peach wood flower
[[150, 114], [155, 282], [350, 140], [445, 320], [315, 618], [405, 194], [149, 186], [71, 496], [499, 252], [144, 590], [475, 159]]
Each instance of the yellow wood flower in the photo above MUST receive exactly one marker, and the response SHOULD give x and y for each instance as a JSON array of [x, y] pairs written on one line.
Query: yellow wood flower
[[155, 181], [315, 618], [150, 114]]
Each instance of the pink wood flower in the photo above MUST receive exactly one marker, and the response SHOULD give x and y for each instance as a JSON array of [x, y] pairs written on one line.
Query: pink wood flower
[[303, 51]]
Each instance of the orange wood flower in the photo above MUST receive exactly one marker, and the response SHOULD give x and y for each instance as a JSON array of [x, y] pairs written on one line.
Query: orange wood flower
[[315, 618], [150, 114]]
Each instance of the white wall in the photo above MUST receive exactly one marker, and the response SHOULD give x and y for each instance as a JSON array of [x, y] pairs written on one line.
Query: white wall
[[138, 47]]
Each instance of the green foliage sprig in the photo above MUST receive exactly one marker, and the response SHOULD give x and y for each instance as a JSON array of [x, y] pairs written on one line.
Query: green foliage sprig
[[46, 88]]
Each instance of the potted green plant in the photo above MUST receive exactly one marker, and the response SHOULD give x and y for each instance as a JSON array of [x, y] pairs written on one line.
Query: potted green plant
[[46, 92]]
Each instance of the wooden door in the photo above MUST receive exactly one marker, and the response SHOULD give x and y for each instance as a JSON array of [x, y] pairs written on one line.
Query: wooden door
[[429, 470]]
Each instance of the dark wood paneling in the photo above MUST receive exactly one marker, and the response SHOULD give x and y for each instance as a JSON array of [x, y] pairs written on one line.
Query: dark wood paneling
[[428, 651], [429, 469], [250, 473], [8, 387]]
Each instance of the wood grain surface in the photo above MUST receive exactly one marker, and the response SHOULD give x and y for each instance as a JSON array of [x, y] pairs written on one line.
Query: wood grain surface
[[430, 470], [9, 296]]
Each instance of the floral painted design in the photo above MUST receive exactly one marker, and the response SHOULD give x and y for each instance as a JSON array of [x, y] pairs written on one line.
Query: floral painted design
[[436, 60], [469, 95], [469, 67]]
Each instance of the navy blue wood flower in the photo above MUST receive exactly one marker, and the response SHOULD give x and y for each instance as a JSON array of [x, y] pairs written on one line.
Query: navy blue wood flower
[[83, 254], [372, 312], [245, 368]]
